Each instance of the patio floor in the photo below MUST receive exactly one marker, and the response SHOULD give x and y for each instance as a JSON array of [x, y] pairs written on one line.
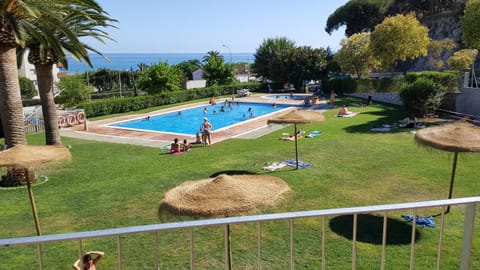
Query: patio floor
[[99, 131]]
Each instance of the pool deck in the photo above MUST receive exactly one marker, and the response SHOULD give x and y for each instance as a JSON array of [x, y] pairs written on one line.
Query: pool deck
[[99, 131]]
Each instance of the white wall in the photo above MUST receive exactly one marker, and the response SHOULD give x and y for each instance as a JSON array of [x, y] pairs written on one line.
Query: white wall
[[196, 84]]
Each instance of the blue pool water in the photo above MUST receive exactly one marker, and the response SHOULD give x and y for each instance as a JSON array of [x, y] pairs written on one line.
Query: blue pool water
[[285, 96], [188, 121]]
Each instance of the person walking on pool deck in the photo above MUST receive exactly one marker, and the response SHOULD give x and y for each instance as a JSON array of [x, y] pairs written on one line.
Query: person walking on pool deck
[[207, 131], [89, 263]]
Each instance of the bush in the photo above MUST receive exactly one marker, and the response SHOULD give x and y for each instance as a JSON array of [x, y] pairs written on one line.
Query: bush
[[420, 95], [449, 79], [27, 88]]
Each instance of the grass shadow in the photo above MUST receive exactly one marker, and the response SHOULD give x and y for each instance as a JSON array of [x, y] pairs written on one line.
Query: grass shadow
[[232, 172], [370, 227]]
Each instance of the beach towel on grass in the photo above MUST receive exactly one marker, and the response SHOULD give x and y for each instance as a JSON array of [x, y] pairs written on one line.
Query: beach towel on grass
[[313, 134], [422, 221], [293, 163], [350, 114], [166, 147], [274, 166]]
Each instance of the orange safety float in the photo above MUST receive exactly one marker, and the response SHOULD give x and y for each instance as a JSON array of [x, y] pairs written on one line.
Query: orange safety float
[[62, 121], [81, 117], [71, 120]]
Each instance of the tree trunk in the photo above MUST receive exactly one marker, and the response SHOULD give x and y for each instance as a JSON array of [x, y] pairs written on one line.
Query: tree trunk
[[49, 110], [18, 177], [11, 112], [11, 108]]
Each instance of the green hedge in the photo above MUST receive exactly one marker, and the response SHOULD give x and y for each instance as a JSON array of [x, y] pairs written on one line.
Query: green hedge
[[120, 105], [389, 84], [448, 78], [340, 85]]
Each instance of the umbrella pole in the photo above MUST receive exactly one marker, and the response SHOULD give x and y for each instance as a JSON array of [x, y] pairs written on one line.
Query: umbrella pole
[[32, 202], [452, 178], [296, 145]]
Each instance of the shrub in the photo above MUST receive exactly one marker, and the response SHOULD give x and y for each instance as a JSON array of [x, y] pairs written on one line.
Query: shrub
[[420, 95], [27, 88], [448, 79]]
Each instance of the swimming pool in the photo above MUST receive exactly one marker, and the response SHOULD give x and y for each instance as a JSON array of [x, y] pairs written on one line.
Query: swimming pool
[[188, 121], [286, 96]]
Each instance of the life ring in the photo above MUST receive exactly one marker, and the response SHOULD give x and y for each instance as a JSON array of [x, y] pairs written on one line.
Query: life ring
[[71, 120], [81, 118], [62, 122]]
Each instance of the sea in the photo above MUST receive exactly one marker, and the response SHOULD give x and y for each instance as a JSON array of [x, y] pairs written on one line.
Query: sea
[[131, 61]]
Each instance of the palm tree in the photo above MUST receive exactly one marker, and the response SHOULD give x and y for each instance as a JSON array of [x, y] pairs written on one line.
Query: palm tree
[[211, 54], [60, 34], [14, 16]]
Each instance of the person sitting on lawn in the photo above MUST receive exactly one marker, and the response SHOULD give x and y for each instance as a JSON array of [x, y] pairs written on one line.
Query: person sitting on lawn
[[298, 134], [186, 146], [175, 146], [343, 111]]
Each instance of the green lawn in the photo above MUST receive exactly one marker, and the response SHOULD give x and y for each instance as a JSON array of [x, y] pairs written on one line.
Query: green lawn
[[112, 185]]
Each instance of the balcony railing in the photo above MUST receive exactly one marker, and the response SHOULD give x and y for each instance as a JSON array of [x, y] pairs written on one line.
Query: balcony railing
[[291, 217]]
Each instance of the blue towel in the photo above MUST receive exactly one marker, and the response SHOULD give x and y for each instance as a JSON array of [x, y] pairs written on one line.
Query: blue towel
[[422, 221], [293, 163], [313, 135]]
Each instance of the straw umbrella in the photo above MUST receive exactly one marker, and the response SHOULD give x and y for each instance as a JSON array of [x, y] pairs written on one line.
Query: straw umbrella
[[456, 137], [295, 117], [25, 156], [224, 195]]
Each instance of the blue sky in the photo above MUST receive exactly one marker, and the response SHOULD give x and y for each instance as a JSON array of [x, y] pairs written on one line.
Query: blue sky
[[189, 26]]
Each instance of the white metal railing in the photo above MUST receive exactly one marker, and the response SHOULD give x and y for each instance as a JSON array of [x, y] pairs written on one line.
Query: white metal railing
[[465, 259]]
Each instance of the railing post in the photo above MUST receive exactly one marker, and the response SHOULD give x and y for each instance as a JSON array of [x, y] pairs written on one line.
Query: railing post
[[292, 259], [467, 236], [192, 254], [40, 256], [119, 252]]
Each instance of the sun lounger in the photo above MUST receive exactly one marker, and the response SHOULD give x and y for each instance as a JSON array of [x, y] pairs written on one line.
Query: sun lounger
[[243, 93]]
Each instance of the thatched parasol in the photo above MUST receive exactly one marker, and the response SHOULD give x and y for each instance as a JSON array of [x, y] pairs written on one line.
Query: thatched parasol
[[225, 195], [295, 117], [25, 156], [456, 137]]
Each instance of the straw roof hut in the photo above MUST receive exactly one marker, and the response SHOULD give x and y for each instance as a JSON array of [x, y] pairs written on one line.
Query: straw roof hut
[[455, 137], [32, 155], [224, 195], [25, 156]]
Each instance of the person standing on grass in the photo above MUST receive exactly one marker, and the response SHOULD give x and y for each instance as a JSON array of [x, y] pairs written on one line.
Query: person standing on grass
[[89, 263], [332, 98], [207, 131]]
